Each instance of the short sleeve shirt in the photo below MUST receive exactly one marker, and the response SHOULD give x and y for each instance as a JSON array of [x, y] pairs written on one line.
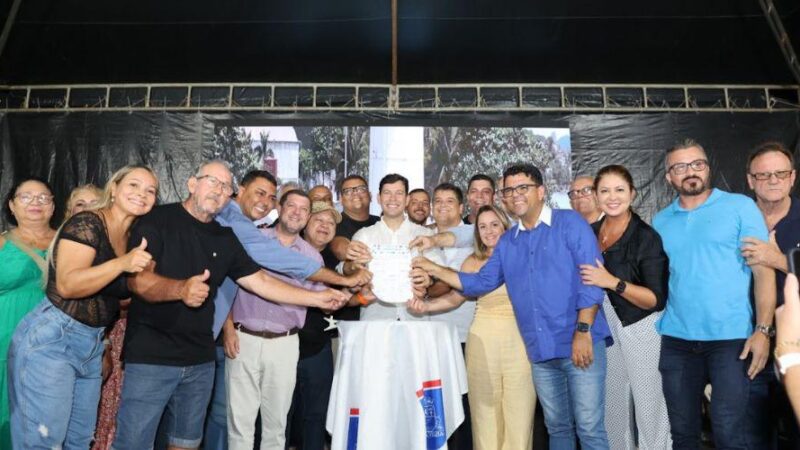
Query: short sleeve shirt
[[171, 333], [709, 280], [102, 308]]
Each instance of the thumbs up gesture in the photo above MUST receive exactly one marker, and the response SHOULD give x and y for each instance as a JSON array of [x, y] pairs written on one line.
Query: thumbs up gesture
[[137, 259], [195, 290]]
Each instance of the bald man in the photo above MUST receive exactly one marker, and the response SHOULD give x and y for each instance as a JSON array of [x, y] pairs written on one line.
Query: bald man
[[582, 198]]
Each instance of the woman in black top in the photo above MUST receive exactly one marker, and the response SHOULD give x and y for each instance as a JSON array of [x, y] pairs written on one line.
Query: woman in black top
[[55, 356], [635, 278]]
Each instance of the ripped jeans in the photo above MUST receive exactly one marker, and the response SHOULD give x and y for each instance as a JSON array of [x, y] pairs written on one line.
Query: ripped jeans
[[54, 380]]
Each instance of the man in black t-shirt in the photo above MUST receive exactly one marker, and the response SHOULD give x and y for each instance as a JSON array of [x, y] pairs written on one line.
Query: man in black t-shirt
[[355, 195], [169, 344]]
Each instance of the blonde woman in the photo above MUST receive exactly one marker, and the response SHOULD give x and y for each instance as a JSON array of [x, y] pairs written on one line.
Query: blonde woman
[[501, 394], [54, 359], [82, 198]]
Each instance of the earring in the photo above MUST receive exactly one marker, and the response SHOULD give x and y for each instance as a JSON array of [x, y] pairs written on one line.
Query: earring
[[112, 199]]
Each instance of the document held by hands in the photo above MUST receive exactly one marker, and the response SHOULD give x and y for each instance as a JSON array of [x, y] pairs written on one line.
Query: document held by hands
[[390, 266]]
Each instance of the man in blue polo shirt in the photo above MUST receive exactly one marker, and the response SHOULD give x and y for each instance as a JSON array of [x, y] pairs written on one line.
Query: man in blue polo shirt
[[707, 328], [565, 335]]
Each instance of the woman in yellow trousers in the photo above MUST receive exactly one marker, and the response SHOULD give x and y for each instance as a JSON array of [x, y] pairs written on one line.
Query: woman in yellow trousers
[[501, 394]]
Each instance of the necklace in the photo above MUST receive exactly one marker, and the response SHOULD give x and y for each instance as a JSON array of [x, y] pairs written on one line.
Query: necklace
[[611, 236], [31, 240]]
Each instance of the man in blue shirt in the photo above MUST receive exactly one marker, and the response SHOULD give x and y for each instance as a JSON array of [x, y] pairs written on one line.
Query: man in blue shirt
[[565, 335], [707, 328], [254, 200]]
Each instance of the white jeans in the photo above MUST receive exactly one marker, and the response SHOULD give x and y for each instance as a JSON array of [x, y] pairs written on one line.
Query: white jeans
[[262, 376]]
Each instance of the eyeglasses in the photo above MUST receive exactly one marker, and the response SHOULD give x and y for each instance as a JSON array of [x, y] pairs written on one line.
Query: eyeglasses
[[697, 165], [521, 189], [779, 174], [347, 192], [578, 193], [26, 198], [214, 182]]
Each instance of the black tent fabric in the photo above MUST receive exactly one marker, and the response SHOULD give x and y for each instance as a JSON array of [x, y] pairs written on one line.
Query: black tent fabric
[[75, 148], [448, 41]]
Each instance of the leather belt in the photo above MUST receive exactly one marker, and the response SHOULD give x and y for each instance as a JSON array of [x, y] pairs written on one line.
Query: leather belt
[[264, 334]]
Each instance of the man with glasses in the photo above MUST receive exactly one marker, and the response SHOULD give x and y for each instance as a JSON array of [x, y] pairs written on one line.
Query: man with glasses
[[564, 330], [771, 176], [707, 328], [583, 199], [169, 348]]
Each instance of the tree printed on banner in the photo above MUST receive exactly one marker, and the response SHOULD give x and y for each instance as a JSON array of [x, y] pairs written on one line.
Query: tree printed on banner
[[323, 151], [235, 145], [455, 154]]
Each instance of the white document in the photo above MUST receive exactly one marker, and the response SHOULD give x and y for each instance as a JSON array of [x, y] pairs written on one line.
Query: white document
[[390, 266]]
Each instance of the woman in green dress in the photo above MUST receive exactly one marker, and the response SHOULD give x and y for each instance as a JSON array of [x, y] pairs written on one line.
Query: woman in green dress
[[29, 208]]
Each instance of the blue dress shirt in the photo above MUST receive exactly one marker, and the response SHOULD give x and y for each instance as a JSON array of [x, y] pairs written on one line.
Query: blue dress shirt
[[541, 270], [267, 252]]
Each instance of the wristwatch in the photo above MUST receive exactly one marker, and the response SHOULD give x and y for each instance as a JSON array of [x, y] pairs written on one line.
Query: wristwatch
[[768, 330], [583, 327], [620, 287]]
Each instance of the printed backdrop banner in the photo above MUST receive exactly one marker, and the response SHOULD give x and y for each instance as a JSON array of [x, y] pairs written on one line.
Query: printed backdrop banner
[[69, 149]]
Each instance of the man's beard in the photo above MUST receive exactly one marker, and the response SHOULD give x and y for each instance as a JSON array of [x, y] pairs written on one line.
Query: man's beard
[[698, 188]]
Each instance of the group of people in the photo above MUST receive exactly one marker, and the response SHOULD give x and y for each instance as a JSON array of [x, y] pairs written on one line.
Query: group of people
[[134, 325]]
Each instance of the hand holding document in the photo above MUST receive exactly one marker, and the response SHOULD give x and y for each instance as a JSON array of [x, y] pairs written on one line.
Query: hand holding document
[[389, 266]]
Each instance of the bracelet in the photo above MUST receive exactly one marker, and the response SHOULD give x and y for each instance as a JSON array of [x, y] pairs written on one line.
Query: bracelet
[[361, 298], [783, 346]]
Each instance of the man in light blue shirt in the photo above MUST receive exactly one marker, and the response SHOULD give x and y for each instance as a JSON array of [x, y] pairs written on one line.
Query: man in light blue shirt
[[707, 327], [564, 331], [254, 200]]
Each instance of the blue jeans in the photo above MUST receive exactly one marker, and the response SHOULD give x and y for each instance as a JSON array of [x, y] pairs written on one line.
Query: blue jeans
[[573, 399], [310, 402], [686, 367], [54, 380], [762, 416], [150, 389], [216, 435]]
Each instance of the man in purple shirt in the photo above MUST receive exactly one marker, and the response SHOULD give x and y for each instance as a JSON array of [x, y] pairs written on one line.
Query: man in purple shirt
[[261, 343]]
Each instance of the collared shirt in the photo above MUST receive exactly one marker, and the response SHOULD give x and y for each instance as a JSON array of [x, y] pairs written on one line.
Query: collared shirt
[[267, 252], [462, 316], [709, 280], [258, 314], [637, 258], [381, 234], [787, 234], [540, 268]]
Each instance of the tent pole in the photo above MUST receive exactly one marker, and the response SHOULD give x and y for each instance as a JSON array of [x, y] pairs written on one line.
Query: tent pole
[[394, 42], [12, 16], [776, 25]]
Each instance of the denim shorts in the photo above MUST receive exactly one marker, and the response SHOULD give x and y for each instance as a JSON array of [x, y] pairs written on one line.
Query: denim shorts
[[180, 393]]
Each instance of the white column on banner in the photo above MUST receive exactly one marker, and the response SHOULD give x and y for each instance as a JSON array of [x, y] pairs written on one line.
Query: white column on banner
[[395, 150]]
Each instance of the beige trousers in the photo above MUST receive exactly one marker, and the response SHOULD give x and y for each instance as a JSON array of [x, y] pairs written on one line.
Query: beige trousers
[[261, 377], [501, 394]]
